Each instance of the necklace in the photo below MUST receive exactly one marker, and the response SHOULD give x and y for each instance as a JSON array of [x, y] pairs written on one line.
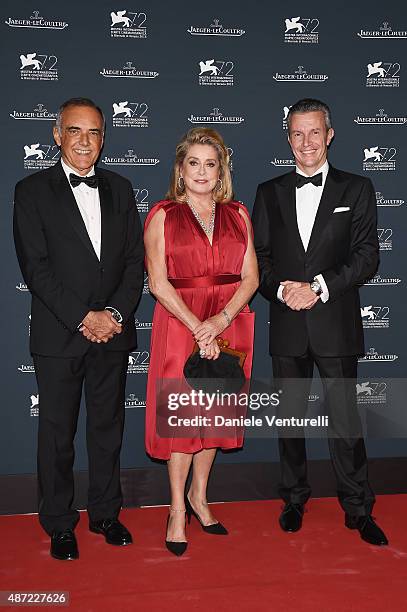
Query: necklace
[[208, 229]]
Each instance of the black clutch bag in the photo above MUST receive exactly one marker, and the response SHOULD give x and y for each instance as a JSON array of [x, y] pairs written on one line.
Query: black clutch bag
[[224, 374]]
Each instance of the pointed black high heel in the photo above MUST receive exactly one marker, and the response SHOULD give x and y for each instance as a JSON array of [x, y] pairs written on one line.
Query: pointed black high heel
[[176, 548], [214, 529]]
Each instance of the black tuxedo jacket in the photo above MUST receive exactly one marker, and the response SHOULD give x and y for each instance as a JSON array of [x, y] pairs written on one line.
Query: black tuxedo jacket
[[60, 266], [343, 247]]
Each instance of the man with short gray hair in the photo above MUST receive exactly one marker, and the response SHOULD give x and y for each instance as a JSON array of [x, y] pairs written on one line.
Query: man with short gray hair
[[78, 240], [316, 242]]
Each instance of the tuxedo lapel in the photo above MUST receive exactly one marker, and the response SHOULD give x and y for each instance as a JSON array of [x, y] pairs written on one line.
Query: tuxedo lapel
[[331, 195], [65, 198], [287, 203], [106, 211]]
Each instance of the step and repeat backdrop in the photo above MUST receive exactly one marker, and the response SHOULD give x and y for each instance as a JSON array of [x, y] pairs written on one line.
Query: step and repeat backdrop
[[158, 68]]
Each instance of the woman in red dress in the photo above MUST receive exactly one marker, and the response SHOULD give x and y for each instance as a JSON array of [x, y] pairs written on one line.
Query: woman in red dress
[[202, 269]]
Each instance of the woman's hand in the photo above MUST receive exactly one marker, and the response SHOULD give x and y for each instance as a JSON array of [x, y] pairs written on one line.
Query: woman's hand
[[208, 330], [212, 350]]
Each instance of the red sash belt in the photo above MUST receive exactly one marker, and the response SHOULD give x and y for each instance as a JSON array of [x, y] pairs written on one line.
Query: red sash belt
[[204, 281]]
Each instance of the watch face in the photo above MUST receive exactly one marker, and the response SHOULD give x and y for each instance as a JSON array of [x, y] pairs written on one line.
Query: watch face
[[316, 287], [114, 314]]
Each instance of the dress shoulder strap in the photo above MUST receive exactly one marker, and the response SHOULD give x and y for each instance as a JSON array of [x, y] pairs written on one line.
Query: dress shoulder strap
[[161, 204]]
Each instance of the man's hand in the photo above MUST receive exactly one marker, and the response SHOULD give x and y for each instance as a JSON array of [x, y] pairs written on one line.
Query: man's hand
[[100, 326], [298, 295], [88, 335]]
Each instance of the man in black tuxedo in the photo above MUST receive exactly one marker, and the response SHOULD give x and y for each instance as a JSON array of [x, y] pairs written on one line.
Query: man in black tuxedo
[[78, 240], [316, 241]]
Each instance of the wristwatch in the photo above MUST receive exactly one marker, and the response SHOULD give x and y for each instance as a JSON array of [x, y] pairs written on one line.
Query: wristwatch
[[115, 313], [316, 287]]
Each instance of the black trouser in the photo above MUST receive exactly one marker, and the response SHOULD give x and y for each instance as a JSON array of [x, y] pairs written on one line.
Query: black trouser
[[346, 444], [60, 382]]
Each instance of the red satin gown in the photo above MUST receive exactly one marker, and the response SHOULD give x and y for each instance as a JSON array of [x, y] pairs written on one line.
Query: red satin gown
[[189, 255]]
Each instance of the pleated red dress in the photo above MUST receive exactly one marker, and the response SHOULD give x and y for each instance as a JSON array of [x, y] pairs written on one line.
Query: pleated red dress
[[193, 261]]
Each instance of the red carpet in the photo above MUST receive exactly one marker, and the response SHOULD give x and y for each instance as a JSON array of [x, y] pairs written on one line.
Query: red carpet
[[325, 567]]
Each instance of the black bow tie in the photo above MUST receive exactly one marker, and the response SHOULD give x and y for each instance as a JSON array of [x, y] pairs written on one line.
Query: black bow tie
[[90, 181], [303, 180]]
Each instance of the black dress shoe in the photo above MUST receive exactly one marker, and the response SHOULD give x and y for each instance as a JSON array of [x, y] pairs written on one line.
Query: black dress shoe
[[369, 531], [291, 517], [115, 533], [64, 546]]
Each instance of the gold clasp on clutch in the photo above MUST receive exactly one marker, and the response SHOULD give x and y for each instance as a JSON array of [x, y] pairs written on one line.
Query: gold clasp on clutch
[[222, 344]]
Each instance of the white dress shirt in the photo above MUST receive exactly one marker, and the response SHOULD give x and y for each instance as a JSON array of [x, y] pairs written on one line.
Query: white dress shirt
[[307, 200], [87, 199]]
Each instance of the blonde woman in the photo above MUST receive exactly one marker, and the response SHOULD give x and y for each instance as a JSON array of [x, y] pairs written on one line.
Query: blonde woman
[[202, 268]]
